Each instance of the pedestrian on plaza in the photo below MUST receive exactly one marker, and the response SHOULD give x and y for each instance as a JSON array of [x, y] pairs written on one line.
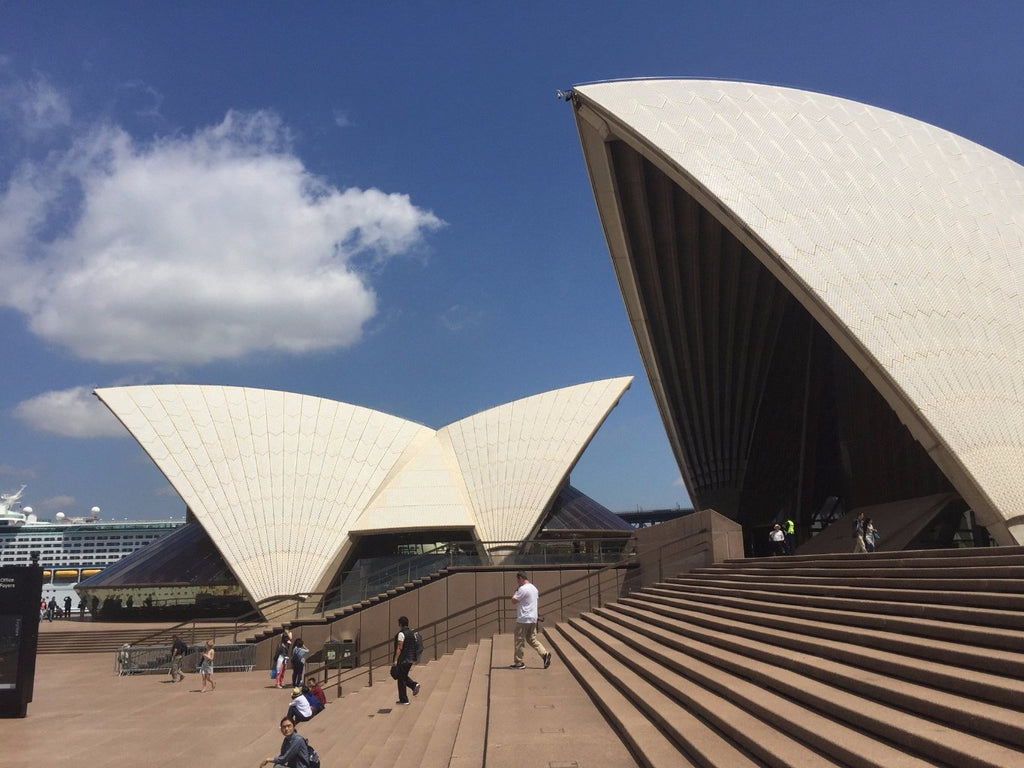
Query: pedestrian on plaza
[[858, 533], [178, 652], [206, 667], [526, 598], [281, 658], [871, 536], [299, 653], [778, 539], [789, 528]]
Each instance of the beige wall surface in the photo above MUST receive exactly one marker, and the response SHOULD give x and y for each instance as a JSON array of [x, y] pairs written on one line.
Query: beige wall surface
[[467, 605]]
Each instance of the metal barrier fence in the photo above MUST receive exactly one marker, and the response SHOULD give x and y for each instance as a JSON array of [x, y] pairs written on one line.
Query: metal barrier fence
[[156, 659]]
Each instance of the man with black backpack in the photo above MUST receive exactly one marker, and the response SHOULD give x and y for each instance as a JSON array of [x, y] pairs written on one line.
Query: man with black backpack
[[407, 652]]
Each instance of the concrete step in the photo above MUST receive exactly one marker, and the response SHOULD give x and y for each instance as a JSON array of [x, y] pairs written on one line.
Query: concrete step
[[1009, 555], [363, 719], [933, 591], [952, 653], [939, 693], [432, 741], [777, 732], [389, 727], [843, 725], [420, 718], [658, 729], [891, 659], [865, 616], [870, 568], [544, 717], [424, 711], [878, 601], [471, 738]]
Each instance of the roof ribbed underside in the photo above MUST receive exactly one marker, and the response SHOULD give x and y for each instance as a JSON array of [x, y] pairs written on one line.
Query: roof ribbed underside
[[278, 479], [905, 240]]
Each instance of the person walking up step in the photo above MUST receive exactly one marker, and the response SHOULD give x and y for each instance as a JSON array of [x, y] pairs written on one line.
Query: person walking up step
[[526, 598]]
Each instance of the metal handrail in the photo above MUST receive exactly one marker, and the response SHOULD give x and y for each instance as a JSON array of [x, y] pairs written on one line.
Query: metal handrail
[[483, 608], [403, 573]]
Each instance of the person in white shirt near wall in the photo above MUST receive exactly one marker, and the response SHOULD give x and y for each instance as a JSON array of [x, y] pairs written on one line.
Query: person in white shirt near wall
[[525, 599]]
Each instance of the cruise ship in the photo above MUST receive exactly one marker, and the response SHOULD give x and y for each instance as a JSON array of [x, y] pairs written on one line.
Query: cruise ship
[[70, 549]]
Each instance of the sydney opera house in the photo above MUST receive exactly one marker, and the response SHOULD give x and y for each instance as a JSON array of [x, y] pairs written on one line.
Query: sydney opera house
[[828, 299], [286, 492]]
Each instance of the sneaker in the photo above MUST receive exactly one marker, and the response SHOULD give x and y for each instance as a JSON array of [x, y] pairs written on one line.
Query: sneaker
[[416, 690], [520, 665], [547, 660], [401, 702]]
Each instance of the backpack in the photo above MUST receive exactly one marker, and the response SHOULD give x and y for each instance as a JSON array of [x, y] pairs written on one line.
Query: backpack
[[314, 758]]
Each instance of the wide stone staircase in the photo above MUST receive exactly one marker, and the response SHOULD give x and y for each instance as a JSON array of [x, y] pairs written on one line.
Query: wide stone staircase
[[472, 711], [433, 733], [890, 659]]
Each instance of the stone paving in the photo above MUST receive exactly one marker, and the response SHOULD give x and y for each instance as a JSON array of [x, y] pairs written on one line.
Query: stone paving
[[82, 714]]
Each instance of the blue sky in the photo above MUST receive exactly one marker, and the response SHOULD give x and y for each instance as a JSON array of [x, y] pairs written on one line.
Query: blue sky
[[382, 204]]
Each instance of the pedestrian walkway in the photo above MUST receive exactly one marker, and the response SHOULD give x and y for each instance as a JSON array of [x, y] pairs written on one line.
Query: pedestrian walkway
[[470, 705]]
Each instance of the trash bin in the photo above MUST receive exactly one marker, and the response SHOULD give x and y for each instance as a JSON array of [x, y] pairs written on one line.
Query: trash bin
[[332, 654], [348, 655], [340, 654]]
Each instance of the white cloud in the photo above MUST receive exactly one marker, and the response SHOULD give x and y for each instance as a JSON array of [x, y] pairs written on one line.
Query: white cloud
[[458, 316], [192, 249], [74, 412], [9, 470], [35, 108], [56, 504]]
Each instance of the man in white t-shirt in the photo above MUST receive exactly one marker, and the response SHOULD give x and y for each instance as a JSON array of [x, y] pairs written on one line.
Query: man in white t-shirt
[[525, 599]]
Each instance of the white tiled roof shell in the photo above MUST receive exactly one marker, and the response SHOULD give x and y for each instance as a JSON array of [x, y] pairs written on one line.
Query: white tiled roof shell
[[513, 458], [278, 480], [910, 238], [275, 478]]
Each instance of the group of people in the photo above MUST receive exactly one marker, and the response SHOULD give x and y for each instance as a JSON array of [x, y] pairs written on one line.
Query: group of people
[[783, 537], [865, 535], [309, 700], [291, 652], [52, 610], [179, 650]]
